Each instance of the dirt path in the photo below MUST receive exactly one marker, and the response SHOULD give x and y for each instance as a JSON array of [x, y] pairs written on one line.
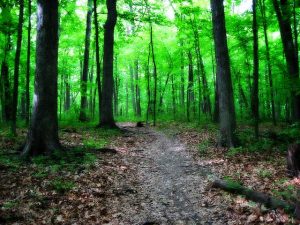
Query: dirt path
[[165, 184]]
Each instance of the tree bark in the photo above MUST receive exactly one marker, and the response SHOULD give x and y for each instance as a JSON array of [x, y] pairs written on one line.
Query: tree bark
[[290, 54], [6, 99], [116, 89], [16, 69], [190, 94], [43, 133], [83, 101], [255, 103], [107, 117], [269, 64], [67, 104], [226, 104], [133, 98], [154, 75], [148, 84], [182, 76], [173, 96], [27, 92], [137, 89], [98, 68]]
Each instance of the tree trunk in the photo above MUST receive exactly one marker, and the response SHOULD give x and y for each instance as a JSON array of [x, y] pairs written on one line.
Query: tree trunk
[[27, 92], [154, 75], [133, 99], [107, 117], [98, 69], [137, 90], [293, 160], [182, 76], [83, 101], [226, 104], [16, 70], [163, 92], [43, 132], [127, 100], [269, 64], [173, 97], [255, 103], [290, 54], [91, 79], [190, 94], [116, 89], [7, 109], [148, 84], [295, 24], [216, 109], [67, 93], [201, 70]]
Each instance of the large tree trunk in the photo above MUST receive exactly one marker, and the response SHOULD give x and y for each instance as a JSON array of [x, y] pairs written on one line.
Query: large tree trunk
[[107, 117], [27, 92], [255, 99], [226, 104], [290, 54], [43, 132], [16, 69], [84, 78]]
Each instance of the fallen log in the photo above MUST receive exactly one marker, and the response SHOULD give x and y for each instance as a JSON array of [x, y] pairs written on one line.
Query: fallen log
[[259, 197]]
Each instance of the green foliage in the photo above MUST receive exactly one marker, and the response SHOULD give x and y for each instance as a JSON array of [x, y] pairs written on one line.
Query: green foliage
[[10, 204], [203, 147], [290, 193], [232, 183], [71, 159], [235, 151], [11, 162], [264, 173], [62, 186]]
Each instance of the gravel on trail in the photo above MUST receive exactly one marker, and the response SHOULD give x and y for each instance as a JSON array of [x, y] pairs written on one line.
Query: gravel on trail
[[164, 183]]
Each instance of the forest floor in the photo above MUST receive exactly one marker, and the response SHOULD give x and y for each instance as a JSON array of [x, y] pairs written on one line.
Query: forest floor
[[155, 176]]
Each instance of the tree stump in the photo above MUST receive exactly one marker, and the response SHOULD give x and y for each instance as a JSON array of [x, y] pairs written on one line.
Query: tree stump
[[293, 160]]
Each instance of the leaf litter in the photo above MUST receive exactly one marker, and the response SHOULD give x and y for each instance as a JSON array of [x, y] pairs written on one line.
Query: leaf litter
[[156, 177]]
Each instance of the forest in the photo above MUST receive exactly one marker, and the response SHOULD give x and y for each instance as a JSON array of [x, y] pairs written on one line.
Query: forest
[[149, 112]]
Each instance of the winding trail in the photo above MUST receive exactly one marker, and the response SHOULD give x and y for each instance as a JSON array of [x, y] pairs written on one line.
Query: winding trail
[[167, 185]]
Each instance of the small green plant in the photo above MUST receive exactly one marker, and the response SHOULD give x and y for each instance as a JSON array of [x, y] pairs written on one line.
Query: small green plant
[[203, 147], [290, 193], [40, 174], [94, 143], [10, 204], [263, 173], [61, 186], [68, 160], [11, 162], [234, 151]]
